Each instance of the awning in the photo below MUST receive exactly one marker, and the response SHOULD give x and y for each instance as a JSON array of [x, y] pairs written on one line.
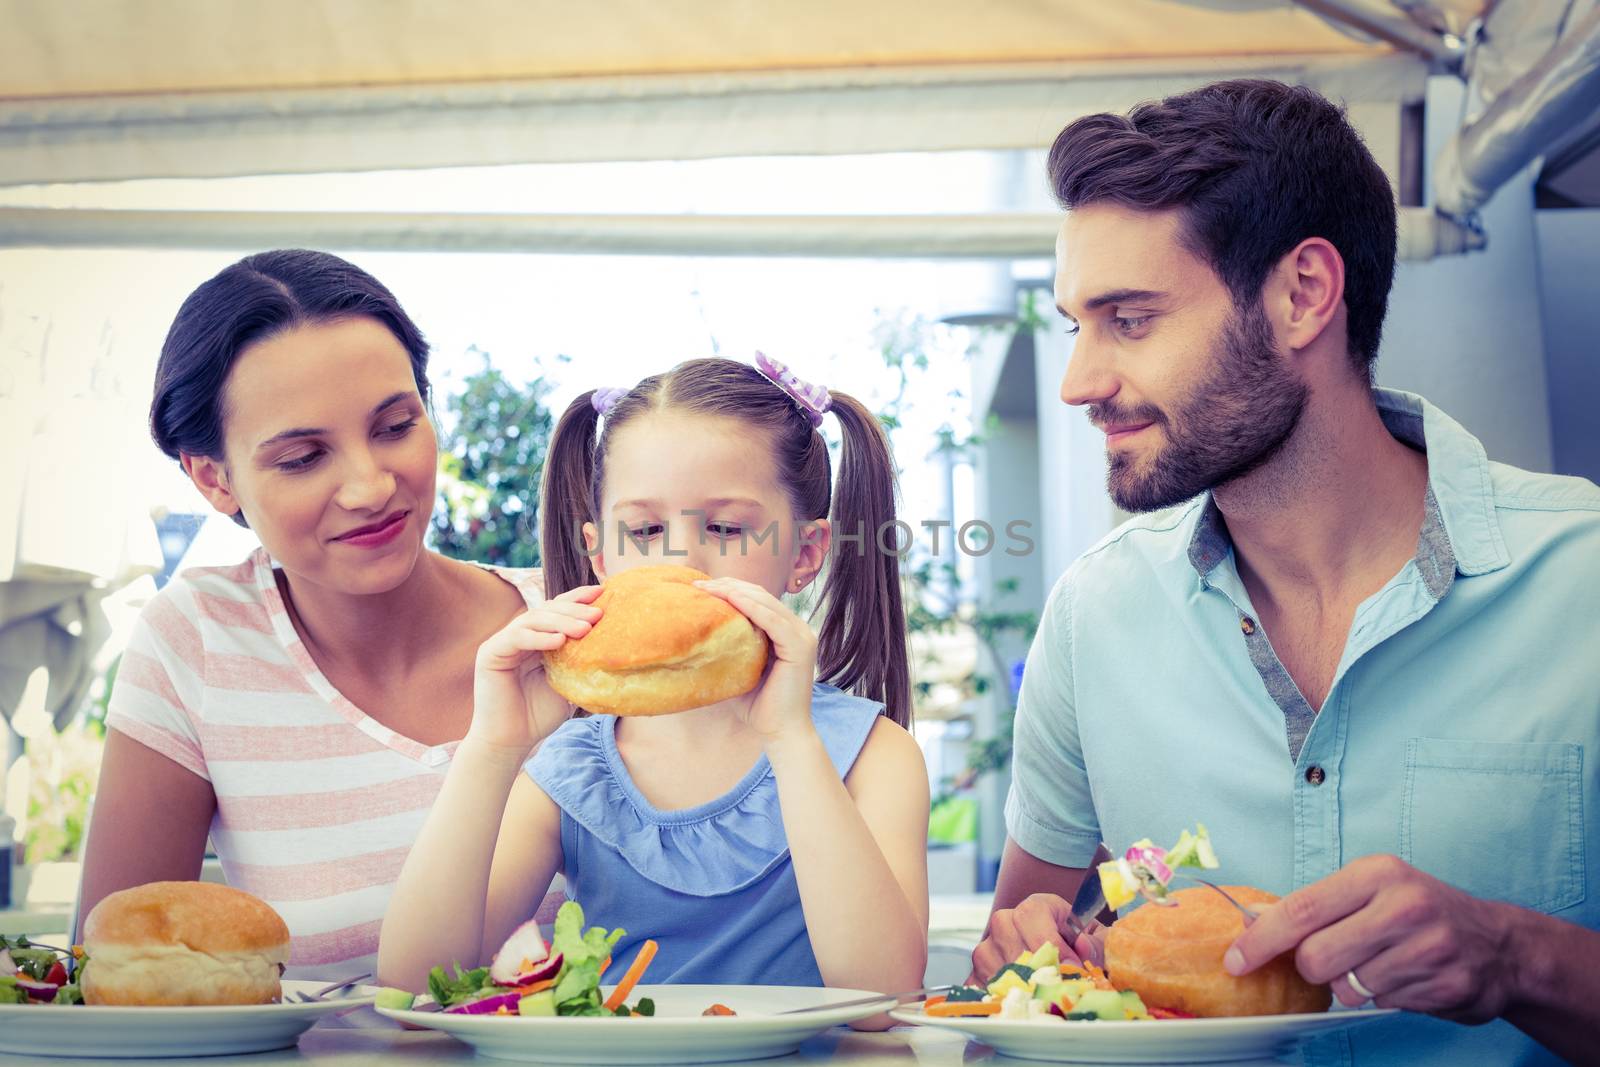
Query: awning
[[118, 89]]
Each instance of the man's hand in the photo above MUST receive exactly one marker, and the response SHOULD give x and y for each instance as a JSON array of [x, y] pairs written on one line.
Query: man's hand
[[1039, 918], [1413, 941]]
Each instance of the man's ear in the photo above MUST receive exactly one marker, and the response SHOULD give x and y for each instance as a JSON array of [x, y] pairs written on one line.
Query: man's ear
[[210, 476], [595, 545], [1307, 292]]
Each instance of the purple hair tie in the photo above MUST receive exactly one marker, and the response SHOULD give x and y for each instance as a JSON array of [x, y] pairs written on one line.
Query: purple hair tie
[[605, 399], [814, 400]]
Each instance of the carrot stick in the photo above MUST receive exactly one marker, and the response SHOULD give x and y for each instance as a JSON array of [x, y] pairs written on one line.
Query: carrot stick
[[1097, 976], [647, 952], [952, 1009], [537, 987]]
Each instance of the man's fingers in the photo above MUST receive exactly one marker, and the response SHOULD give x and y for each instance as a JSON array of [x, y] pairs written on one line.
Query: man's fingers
[[1415, 973], [1013, 931], [1038, 920], [986, 959], [1000, 946], [1090, 946], [1282, 926], [1006, 937], [1330, 952]]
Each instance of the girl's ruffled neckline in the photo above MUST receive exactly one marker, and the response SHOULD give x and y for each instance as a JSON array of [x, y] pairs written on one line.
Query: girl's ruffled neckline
[[712, 849]]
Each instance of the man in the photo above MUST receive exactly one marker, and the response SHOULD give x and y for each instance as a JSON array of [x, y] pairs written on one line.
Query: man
[[1356, 649]]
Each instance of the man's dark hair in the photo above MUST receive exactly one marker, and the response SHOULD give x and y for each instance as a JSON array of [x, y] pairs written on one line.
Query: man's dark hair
[[1255, 167]]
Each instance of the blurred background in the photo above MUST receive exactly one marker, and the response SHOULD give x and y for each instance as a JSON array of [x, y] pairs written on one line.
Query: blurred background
[[573, 195]]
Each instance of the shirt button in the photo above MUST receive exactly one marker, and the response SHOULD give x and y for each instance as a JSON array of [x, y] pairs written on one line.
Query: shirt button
[[1247, 624], [1315, 775]]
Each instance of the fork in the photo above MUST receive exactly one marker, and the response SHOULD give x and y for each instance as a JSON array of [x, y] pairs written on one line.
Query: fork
[[1250, 914], [322, 994], [909, 996]]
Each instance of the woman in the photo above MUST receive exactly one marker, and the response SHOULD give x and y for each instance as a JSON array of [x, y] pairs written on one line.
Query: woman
[[302, 707]]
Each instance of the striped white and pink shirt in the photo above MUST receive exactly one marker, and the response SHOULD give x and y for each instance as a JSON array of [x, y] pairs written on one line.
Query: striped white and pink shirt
[[317, 802]]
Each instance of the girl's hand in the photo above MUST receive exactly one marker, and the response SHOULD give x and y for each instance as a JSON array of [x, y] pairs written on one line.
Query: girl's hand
[[782, 705], [513, 706]]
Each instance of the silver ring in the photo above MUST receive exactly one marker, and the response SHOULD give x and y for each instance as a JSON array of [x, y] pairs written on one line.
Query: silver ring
[[1355, 983]]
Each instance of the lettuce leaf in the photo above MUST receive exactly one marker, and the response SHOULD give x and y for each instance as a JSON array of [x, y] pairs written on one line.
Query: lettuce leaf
[[576, 944], [578, 992], [1193, 850], [448, 991], [34, 962]]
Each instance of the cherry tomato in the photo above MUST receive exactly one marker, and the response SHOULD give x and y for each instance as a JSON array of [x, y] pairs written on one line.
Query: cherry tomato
[[57, 974]]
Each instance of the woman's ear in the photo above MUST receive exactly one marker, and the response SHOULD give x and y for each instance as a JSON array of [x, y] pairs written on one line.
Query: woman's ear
[[210, 476], [811, 552], [596, 548]]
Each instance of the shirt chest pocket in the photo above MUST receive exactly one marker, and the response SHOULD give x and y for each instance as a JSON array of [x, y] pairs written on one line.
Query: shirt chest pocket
[[1500, 820]]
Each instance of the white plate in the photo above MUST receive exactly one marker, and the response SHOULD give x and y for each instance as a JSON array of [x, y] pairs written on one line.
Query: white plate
[[1151, 1041], [677, 1033], [134, 1033]]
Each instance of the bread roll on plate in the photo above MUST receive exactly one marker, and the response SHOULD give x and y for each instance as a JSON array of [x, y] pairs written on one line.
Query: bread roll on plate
[[1172, 957], [183, 943], [661, 645]]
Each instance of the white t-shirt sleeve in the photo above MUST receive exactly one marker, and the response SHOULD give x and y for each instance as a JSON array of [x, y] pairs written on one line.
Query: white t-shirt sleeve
[[157, 695], [1050, 810]]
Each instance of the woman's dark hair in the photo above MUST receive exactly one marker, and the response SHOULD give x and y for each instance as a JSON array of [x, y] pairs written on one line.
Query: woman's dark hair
[[861, 646], [1256, 167], [259, 297]]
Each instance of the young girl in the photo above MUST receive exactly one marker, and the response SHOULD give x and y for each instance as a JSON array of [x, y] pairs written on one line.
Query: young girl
[[777, 838]]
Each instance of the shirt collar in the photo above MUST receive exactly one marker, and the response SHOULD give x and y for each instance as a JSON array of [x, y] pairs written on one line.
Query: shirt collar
[[1460, 531]]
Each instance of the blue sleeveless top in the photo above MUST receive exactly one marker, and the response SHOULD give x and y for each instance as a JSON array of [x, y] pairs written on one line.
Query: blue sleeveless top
[[712, 885]]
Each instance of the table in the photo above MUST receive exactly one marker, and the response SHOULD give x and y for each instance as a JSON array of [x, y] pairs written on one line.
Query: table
[[907, 1046]]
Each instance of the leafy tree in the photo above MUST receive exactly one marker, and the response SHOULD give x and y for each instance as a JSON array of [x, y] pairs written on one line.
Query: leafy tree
[[934, 598], [490, 462]]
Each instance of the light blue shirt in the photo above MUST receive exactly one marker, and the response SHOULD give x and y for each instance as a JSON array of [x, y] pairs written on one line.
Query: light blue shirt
[[1461, 732], [713, 885]]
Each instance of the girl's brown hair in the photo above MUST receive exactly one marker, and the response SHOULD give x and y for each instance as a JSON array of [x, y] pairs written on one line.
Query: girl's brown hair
[[861, 647]]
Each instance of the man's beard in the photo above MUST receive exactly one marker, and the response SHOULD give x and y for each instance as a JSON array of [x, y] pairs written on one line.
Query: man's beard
[[1234, 421]]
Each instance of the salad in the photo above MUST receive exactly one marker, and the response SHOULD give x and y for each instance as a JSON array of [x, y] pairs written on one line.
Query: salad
[[1147, 870], [1038, 987], [31, 973], [528, 977]]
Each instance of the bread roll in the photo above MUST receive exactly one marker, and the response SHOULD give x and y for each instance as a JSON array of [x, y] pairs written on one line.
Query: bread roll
[[661, 645], [1172, 957], [183, 943]]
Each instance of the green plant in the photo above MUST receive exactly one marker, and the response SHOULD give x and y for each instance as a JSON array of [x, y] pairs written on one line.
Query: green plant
[[62, 770], [934, 598], [490, 461]]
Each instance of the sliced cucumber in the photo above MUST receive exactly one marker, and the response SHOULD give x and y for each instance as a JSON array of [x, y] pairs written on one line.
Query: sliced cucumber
[[1104, 1003], [395, 999], [540, 1003]]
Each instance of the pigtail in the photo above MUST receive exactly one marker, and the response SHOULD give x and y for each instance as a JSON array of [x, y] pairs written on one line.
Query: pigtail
[[567, 495], [861, 646]]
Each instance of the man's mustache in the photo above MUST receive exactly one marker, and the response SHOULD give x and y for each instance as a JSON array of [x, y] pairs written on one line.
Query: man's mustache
[[1103, 415]]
